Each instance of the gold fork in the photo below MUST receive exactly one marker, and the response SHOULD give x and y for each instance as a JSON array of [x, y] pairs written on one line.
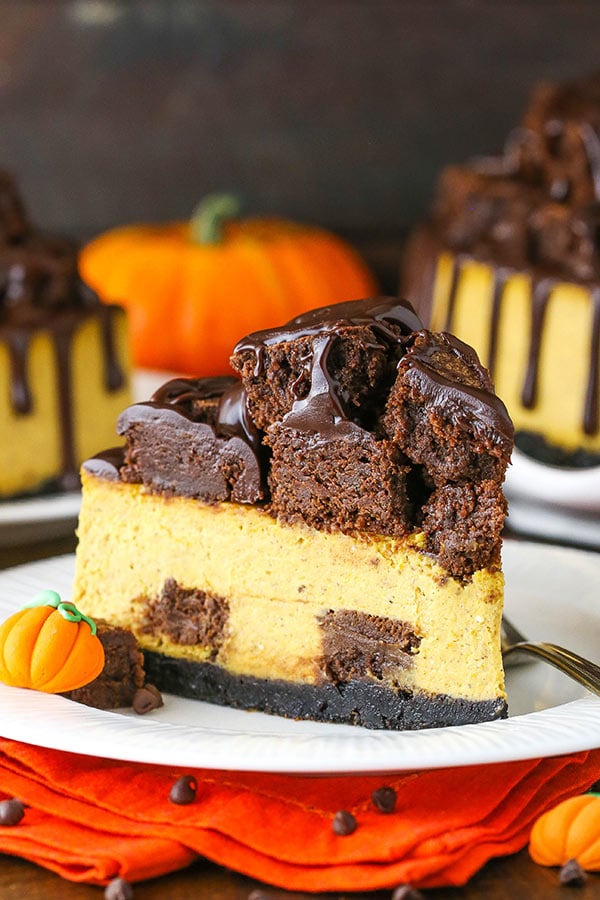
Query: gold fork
[[581, 670]]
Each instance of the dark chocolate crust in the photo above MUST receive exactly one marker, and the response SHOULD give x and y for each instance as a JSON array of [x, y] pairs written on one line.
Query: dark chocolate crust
[[354, 703]]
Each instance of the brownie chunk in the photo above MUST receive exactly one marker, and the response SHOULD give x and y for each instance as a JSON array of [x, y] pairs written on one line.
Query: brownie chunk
[[347, 483], [354, 347], [356, 363], [187, 616], [463, 524], [174, 445], [486, 213], [443, 413], [123, 671], [358, 645]]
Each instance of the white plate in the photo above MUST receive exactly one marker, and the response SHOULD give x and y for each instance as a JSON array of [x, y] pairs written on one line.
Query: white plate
[[38, 518], [553, 523], [571, 489], [552, 593], [554, 503]]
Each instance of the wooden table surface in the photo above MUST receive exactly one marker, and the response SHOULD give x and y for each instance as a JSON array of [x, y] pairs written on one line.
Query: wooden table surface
[[514, 877]]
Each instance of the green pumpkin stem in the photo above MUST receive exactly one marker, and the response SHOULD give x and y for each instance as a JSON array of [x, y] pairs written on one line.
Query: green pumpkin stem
[[67, 610], [206, 222]]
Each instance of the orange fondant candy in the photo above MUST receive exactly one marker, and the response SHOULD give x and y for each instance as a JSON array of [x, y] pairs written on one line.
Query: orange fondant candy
[[570, 830], [49, 646]]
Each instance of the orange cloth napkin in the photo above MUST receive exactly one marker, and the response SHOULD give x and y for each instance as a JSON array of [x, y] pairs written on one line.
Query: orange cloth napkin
[[93, 819]]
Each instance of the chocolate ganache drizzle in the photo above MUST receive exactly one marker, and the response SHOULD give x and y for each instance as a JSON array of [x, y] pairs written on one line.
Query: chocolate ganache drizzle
[[40, 290], [323, 410]]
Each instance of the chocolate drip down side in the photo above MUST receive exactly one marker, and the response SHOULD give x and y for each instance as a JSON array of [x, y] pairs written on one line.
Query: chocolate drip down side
[[18, 348], [591, 419], [501, 276], [539, 304], [62, 330], [540, 297]]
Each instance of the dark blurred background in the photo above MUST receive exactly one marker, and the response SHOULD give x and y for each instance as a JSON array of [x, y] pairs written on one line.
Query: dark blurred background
[[338, 112]]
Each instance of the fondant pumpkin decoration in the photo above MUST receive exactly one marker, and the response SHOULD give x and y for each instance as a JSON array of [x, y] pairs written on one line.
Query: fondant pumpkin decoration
[[49, 646], [192, 289], [570, 830]]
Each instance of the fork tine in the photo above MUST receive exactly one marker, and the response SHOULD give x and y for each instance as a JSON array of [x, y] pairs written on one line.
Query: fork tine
[[510, 633]]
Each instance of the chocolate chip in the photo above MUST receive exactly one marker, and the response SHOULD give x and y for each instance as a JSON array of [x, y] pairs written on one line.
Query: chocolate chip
[[344, 823], [406, 892], [118, 889], [384, 799], [572, 874], [184, 790], [11, 812], [146, 699]]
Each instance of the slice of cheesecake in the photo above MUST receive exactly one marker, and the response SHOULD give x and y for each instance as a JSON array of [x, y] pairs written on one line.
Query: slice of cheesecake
[[64, 358], [320, 539]]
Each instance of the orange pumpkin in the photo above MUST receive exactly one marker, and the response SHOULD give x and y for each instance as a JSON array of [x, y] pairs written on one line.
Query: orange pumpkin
[[570, 830], [192, 289], [49, 646]]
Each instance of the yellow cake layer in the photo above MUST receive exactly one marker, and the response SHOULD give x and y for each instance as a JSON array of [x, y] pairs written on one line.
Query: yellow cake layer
[[30, 443], [564, 362], [278, 580]]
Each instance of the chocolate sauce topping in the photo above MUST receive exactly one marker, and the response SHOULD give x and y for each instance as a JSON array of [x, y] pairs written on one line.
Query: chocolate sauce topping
[[378, 312], [485, 409], [233, 418], [189, 394], [324, 410], [229, 415], [106, 464], [40, 290]]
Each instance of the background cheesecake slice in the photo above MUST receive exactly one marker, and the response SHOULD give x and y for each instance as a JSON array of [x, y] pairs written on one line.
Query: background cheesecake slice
[[64, 358], [509, 260]]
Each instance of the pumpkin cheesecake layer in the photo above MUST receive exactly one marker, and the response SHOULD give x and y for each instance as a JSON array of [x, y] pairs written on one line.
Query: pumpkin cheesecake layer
[[319, 539], [297, 608]]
